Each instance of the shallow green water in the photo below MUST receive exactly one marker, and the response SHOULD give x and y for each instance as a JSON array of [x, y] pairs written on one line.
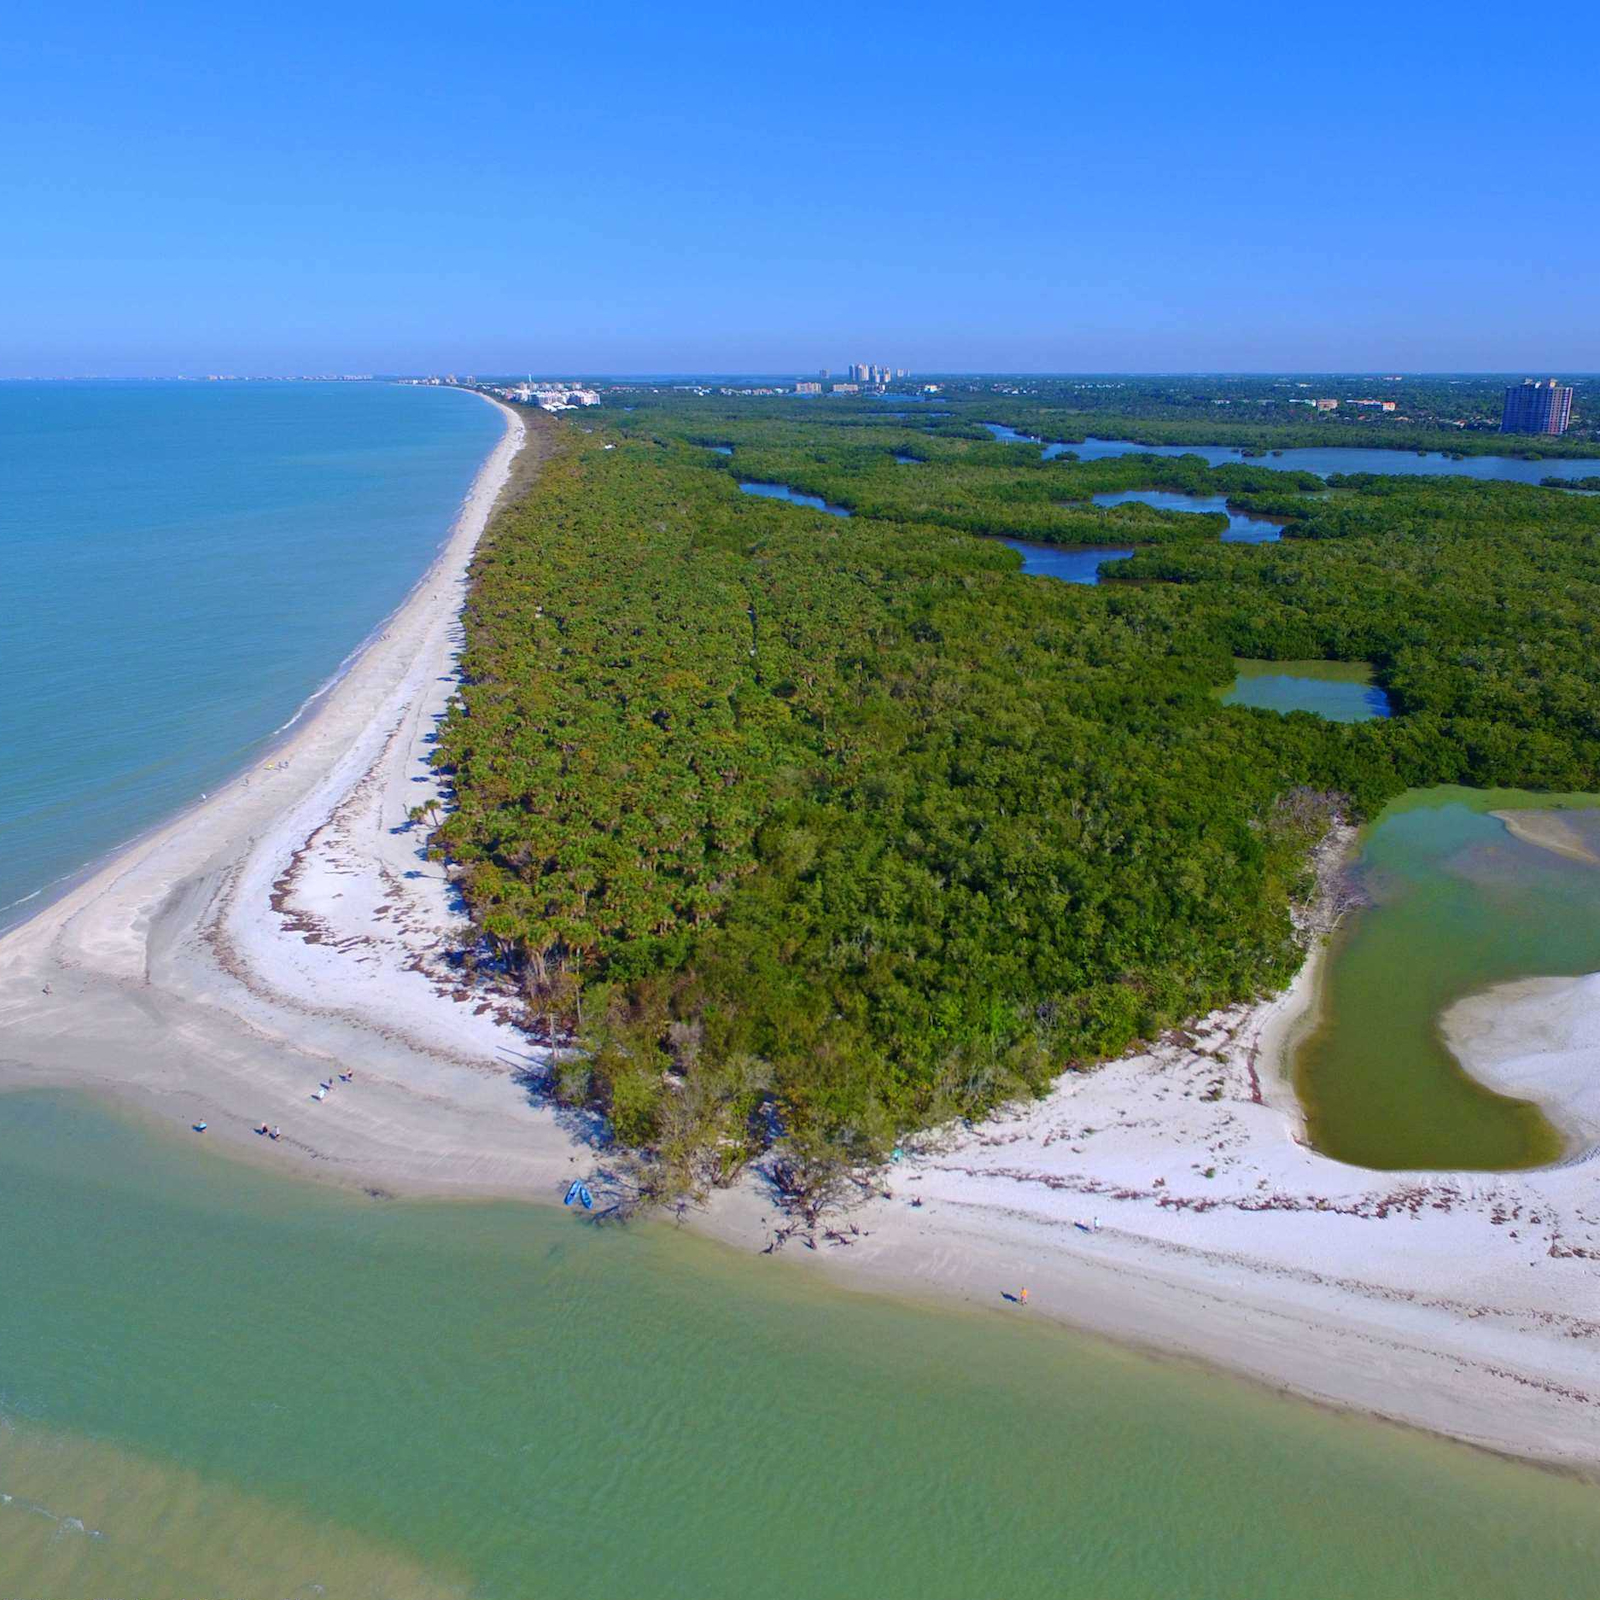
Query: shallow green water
[[241, 1386], [1341, 691], [1458, 904]]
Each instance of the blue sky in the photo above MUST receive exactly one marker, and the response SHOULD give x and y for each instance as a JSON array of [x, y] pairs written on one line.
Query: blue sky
[[725, 187]]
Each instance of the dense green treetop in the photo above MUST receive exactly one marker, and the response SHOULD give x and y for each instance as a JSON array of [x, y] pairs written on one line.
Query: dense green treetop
[[830, 827]]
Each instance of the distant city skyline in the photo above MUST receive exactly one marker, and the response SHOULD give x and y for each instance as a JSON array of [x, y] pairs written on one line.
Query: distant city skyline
[[788, 376], [192, 191]]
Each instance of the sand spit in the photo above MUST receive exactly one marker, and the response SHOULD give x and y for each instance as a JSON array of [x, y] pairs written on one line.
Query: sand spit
[[1538, 1038], [289, 930], [1550, 830]]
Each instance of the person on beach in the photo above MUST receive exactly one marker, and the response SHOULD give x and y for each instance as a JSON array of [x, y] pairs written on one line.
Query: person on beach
[[1022, 1299]]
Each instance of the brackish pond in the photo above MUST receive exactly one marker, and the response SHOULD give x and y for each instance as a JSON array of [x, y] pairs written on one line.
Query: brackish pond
[[1457, 904], [782, 491], [1341, 691], [1072, 563], [216, 1382], [1241, 529]]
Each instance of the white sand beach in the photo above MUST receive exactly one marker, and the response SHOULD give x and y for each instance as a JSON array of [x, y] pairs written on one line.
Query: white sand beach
[[289, 930]]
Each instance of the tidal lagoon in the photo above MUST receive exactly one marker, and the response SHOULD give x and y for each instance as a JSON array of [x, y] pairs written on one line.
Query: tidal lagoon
[[1456, 903]]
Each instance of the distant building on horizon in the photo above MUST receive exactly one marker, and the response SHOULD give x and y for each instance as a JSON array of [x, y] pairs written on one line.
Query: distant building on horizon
[[808, 388], [1533, 407], [867, 372]]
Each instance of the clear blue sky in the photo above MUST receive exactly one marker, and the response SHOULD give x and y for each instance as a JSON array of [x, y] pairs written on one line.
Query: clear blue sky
[[749, 187]]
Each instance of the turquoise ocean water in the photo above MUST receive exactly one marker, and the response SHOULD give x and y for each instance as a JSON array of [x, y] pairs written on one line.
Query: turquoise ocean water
[[184, 564]]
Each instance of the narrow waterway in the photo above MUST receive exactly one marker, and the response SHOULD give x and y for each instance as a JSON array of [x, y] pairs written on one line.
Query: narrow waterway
[[1456, 904], [782, 491], [216, 1382]]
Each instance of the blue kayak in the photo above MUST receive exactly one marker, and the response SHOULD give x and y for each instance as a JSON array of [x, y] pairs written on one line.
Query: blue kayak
[[579, 1191]]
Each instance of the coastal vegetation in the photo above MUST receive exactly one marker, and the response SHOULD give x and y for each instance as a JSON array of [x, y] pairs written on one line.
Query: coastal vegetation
[[820, 829], [1456, 416]]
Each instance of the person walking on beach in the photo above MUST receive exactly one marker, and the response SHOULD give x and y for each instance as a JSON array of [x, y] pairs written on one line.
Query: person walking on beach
[[1022, 1299]]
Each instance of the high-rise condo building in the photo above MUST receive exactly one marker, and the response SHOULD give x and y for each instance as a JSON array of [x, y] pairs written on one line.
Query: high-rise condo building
[[1537, 407]]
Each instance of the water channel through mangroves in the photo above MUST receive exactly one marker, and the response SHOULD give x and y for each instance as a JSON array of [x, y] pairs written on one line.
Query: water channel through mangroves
[[1241, 529], [1323, 461], [1071, 563], [214, 1381], [1341, 691], [782, 491], [1456, 903]]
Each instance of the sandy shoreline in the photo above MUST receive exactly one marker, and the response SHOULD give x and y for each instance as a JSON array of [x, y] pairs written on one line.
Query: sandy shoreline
[[290, 928]]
